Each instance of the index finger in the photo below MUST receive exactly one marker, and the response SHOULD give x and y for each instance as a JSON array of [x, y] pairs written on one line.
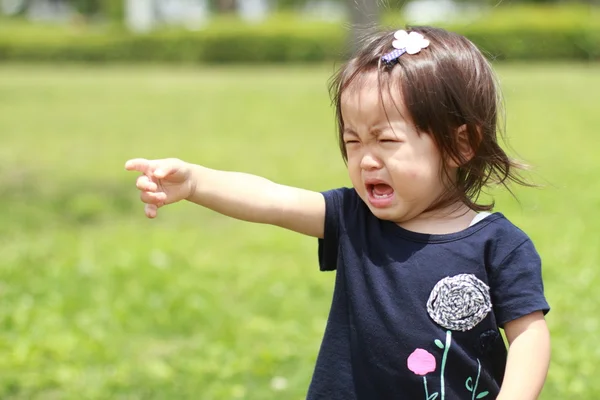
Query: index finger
[[138, 164]]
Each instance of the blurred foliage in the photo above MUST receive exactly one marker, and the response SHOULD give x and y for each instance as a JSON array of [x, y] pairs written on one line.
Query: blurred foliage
[[509, 33], [114, 9], [88, 7], [283, 39]]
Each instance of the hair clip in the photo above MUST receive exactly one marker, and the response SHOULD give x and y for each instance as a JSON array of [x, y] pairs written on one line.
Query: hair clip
[[404, 42]]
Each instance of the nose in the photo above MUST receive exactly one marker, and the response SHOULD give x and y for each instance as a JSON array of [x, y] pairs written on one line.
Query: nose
[[369, 162]]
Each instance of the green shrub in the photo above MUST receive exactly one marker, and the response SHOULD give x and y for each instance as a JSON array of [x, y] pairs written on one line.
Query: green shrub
[[223, 43], [534, 43], [567, 33]]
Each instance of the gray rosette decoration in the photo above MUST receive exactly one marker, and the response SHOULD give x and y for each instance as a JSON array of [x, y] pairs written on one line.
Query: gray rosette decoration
[[459, 302]]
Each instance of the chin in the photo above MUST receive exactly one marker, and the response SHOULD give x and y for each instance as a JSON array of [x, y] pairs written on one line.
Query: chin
[[387, 214]]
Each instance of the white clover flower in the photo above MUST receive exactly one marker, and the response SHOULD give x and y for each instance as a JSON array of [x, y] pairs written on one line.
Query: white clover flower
[[412, 42]]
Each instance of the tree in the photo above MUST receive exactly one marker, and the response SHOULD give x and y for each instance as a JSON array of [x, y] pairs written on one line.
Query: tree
[[226, 6]]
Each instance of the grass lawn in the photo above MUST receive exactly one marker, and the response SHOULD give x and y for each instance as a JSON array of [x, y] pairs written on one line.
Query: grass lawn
[[98, 302]]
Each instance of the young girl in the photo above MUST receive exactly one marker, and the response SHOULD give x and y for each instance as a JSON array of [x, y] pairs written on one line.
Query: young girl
[[425, 276]]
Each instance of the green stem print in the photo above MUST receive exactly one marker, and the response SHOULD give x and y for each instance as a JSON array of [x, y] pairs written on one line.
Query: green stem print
[[433, 396], [443, 368], [473, 389]]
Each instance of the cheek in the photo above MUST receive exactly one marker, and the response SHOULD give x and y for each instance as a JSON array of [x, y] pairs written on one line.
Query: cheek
[[355, 175], [418, 172], [413, 168], [354, 171]]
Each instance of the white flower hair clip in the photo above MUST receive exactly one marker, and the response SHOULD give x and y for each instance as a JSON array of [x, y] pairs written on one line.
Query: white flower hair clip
[[405, 42]]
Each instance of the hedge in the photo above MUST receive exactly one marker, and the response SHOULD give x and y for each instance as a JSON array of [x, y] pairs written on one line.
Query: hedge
[[279, 41], [284, 41]]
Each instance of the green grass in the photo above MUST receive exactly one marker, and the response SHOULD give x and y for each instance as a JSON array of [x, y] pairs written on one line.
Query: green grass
[[98, 302]]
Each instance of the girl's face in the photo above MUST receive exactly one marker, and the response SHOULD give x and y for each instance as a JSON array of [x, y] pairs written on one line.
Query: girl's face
[[395, 169]]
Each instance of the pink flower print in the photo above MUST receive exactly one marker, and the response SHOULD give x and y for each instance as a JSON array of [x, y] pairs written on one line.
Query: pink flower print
[[421, 362]]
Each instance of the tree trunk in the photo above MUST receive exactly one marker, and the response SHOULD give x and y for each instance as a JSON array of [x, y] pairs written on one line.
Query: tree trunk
[[364, 16], [226, 6]]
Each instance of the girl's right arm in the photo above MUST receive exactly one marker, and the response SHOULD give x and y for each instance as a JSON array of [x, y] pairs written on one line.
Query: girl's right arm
[[238, 195], [255, 199]]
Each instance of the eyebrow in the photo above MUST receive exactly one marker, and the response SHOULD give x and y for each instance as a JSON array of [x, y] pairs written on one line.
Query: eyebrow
[[376, 131]]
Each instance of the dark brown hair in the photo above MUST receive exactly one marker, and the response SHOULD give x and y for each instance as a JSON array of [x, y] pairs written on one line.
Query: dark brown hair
[[445, 86]]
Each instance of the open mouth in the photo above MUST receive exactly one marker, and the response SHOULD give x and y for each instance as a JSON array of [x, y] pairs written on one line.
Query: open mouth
[[380, 194], [380, 190]]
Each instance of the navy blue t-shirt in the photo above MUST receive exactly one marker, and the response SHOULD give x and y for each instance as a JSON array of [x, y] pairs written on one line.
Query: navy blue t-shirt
[[414, 314]]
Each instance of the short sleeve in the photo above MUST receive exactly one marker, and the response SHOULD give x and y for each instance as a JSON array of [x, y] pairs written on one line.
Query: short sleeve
[[335, 202], [516, 284]]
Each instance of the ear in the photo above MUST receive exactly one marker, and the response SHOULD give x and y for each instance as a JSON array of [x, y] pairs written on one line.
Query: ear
[[464, 148]]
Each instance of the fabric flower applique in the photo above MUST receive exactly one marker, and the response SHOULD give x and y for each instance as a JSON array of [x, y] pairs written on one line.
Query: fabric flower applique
[[460, 302], [487, 341]]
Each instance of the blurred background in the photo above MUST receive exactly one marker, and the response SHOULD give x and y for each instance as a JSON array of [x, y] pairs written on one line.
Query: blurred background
[[98, 302]]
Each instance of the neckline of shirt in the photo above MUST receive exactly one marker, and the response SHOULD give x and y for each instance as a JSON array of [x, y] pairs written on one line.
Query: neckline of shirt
[[441, 238]]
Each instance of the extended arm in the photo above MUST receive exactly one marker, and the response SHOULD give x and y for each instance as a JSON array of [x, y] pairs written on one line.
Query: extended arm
[[234, 194], [255, 199]]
